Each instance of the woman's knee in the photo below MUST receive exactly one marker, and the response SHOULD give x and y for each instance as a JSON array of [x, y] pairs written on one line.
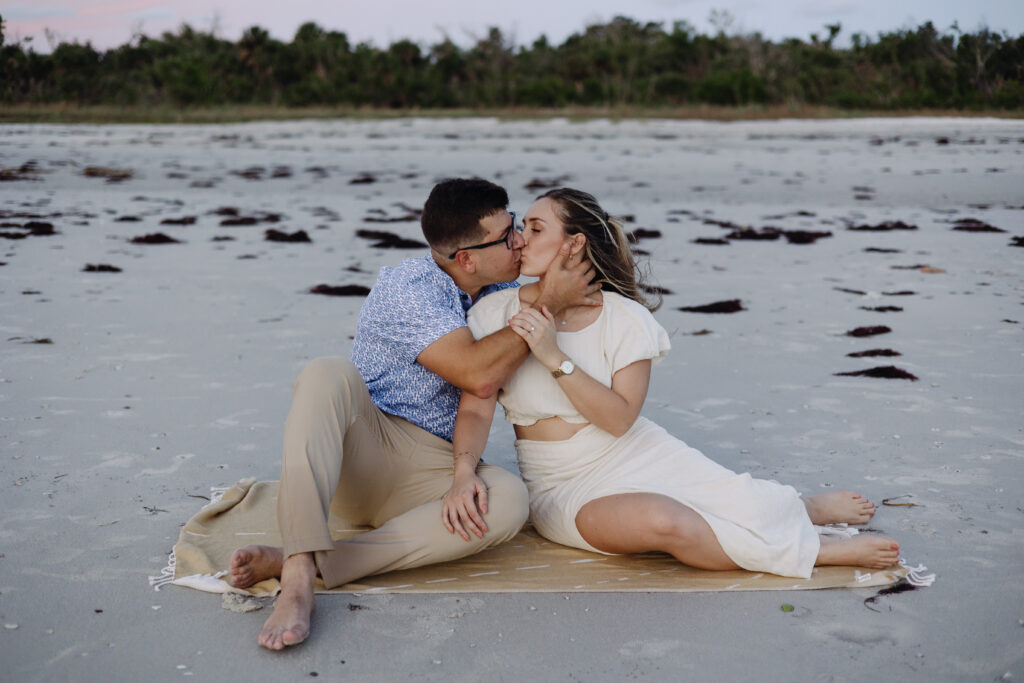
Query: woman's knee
[[676, 524]]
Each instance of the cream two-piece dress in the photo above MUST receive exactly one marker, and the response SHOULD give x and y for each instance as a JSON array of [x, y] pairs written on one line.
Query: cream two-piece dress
[[761, 524]]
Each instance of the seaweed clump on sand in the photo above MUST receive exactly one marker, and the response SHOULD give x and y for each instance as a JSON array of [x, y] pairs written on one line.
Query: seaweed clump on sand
[[885, 226], [764, 234], [184, 220], [279, 236], [29, 229], [804, 236], [881, 372], [340, 290], [974, 225], [901, 586], [27, 171], [641, 234], [710, 240], [1016, 241], [411, 215], [546, 183], [389, 240], [100, 268], [869, 331], [154, 238], [729, 306], [882, 309], [112, 175], [872, 353]]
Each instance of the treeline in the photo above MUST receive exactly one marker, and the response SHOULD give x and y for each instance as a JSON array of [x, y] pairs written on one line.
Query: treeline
[[621, 63]]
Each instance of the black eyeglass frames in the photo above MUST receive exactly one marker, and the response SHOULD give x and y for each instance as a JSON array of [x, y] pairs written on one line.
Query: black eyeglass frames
[[509, 238]]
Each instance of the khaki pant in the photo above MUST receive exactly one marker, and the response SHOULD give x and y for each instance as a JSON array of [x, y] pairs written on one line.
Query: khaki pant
[[343, 454]]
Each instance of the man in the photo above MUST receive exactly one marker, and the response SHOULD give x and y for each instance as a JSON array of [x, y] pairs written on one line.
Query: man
[[371, 439]]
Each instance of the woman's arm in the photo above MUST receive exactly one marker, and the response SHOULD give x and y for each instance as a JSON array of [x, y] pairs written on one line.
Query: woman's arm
[[612, 409], [459, 507]]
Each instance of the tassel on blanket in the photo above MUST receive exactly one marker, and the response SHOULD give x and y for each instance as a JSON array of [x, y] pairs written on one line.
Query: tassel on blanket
[[166, 574], [916, 575]]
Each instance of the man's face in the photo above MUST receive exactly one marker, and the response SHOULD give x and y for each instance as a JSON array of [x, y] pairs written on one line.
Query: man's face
[[498, 263]]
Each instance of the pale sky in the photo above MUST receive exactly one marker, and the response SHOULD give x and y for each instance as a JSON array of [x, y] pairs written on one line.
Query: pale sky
[[108, 23]]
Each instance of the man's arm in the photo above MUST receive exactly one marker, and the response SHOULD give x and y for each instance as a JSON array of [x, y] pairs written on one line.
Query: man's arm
[[479, 366], [482, 366]]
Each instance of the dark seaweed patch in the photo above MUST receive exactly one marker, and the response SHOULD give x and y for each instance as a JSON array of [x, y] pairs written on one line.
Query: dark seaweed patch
[[804, 236], [279, 236], [27, 171], [641, 234], [902, 292], [901, 586], [342, 290], [729, 306], [874, 353], [753, 234], [100, 268], [239, 221], [879, 250], [389, 240], [225, 211], [654, 289], [251, 173], [281, 172], [154, 238], [885, 226], [869, 331], [184, 220], [881, 372], [710, 240], [113, 175], [1017, 241], [381, 216], [916, 266], [849, 291], [546, 183], [222, 238], [363, 179], [974, 225], [127, 219], [882, 309]]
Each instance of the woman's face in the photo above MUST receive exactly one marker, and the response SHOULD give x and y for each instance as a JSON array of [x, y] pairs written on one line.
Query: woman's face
[[543, 234]]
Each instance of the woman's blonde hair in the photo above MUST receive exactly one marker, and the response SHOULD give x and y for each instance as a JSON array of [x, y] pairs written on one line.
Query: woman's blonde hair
[[607, 246]]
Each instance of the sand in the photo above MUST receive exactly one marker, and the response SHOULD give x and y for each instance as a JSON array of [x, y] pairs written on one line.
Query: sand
[[173, 375]]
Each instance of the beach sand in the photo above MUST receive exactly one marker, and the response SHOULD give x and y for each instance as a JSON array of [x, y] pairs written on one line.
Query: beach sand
[[129, 389]]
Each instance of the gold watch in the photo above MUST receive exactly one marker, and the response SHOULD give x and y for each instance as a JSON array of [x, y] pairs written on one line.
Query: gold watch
[[564, 368]]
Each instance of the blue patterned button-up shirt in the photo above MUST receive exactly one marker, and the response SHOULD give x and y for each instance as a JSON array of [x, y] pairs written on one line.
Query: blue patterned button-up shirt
[[409, 308]]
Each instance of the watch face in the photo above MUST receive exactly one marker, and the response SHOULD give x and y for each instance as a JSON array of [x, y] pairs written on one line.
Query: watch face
[[566, 366]]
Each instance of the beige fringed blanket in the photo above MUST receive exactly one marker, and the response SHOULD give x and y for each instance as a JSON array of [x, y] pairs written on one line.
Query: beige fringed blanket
[[247, 513]]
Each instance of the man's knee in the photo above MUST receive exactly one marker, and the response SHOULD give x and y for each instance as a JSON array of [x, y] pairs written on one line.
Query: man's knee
[[508, 504], [328, 374]]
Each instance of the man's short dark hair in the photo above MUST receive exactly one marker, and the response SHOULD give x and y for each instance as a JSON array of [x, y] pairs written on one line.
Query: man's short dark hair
[[451, 217]]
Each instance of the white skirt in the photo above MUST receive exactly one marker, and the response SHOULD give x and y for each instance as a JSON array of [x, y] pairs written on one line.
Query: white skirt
[[761, 524]]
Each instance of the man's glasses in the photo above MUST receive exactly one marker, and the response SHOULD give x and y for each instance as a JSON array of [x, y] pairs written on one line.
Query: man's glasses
[[509, 238]]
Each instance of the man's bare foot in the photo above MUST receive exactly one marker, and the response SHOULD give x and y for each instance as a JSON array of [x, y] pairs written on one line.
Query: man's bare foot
[[838, 507], [289, 624], [255, 563], [874, 552]]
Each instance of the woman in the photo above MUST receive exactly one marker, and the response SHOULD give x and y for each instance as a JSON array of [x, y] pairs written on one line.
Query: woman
[[600, 476]]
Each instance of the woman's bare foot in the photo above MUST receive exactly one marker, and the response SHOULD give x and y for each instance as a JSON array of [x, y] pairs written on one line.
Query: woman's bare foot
[[838, 507], [255, 563], [874, 552], [289, 624]]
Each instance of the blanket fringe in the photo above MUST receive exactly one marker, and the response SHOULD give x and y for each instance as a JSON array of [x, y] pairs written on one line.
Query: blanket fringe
[[916, 575], [166, 574]]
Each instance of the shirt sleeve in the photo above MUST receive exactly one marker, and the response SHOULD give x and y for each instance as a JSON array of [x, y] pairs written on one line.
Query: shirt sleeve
[[490, 313], [634, 335], [418, 314]]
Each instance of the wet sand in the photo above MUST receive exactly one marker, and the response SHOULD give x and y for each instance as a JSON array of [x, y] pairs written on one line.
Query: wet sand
[[158, 300]]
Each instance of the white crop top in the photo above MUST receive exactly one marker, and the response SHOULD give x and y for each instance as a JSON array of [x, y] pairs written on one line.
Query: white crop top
[[624, 333]]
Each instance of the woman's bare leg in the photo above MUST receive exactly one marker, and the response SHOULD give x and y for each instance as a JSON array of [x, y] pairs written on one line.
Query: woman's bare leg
[[838, 507], [639, 522]]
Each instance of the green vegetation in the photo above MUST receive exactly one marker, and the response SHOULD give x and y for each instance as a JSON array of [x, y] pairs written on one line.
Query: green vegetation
[[622, 68]]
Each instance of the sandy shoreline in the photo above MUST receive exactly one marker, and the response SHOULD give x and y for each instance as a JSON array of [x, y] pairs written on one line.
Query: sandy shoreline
[[173, 375]]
